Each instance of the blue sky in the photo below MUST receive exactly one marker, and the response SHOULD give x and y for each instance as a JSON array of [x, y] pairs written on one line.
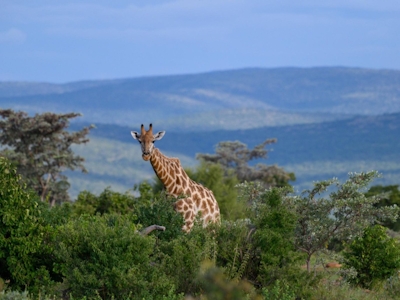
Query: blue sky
[[63, 41]]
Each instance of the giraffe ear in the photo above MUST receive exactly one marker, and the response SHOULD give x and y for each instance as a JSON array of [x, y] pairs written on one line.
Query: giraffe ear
[[159, 135], [135, 135]]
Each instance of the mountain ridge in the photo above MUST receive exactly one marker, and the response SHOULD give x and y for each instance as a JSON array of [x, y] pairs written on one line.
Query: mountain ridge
[[321, 90]]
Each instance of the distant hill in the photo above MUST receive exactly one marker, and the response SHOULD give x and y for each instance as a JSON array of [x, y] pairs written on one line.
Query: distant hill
[[233, 99], [312, 151]]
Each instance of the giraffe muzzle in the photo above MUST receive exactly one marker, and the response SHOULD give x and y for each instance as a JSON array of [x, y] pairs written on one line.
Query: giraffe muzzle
[[146, 156]]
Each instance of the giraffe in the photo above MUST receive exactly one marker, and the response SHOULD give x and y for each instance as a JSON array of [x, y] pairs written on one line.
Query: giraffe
[[197, 198]]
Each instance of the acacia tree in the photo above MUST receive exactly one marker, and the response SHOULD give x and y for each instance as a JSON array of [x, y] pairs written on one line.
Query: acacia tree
[[344, 215], [40, 147], [236, 156]]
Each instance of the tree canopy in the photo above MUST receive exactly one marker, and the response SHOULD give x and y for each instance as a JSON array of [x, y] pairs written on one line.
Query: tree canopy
[[236, 156], [40, 147], [344, 215]]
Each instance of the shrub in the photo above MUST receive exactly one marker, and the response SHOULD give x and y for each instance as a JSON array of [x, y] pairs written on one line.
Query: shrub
[[14, 295], [280, 290], [22, 233], [216, 286], [107, 202], [158, 208], [106, 256], [234, 248], [375, 256], [272, 255], [180, 258]]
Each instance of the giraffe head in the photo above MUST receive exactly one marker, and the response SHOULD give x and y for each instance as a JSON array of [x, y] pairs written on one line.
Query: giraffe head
[[146, 140]]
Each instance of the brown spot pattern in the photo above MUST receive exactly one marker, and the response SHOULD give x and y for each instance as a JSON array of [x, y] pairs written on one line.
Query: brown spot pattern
[[177, 182]]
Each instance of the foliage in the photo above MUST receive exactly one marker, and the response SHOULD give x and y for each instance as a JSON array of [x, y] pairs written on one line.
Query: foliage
[[93, 248], [14, 295], [280, 290], [22, 233], [106, 256], [235, 156], [234, 248], [344, 215], [391, 196], [158, 208], [180, 258], [41, 148], [273, 255], [374, 255], [217, 286], [275, 222], [108, 202], [392, 286]]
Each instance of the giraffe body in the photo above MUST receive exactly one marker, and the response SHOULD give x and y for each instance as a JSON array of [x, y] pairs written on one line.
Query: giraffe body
[[196, 198]]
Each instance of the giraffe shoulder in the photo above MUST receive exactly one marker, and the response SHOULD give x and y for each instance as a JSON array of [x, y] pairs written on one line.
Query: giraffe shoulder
[[175, 161]]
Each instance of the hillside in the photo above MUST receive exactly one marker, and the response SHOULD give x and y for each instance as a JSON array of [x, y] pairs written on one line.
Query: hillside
[[233, 99], [312, 151]]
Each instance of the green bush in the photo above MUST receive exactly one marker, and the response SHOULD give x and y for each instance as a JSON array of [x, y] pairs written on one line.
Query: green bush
[[180, 258], [158, 208], [280, 290], [107, 202], [23, 231], [217, 286], [235, 248], [105, 256], [375, 256], [272, 252], [13, 295]]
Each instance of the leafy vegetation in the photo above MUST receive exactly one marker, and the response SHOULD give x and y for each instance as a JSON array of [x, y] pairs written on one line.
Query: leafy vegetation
[[374, 256], [41, 148], [23, 233], [103, 246], [94, 249], [389, 195], [236, 157], [343, 216]]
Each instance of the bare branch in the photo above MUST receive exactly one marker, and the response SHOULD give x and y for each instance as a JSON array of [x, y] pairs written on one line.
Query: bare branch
[[151, 228]]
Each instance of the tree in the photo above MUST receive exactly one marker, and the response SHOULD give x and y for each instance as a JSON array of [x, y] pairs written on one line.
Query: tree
[[236, 156], [41, 149], [344, 215]]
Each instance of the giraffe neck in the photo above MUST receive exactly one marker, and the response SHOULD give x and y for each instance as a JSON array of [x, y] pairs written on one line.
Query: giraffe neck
[[177, 183], [169, 171]]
